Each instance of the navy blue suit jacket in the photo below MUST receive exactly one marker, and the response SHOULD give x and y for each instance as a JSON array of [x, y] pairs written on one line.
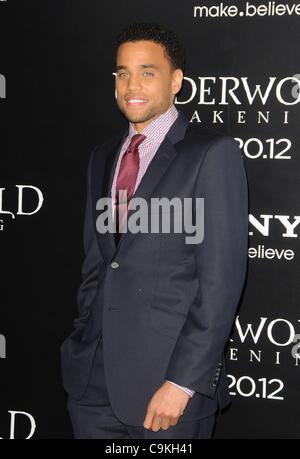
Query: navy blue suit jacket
[[163, 307]]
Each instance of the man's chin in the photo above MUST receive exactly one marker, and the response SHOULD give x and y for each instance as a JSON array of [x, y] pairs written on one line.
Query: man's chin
[[137, 117], [138, 120]]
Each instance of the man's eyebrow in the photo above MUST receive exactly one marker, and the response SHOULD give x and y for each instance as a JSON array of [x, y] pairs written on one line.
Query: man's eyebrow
[[143, 66], [152, 66]]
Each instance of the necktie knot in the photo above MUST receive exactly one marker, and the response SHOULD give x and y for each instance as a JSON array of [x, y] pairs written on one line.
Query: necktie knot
[[136, 140]]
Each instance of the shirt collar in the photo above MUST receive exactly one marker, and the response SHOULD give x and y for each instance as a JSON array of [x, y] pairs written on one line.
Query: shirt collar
[[158, 128]]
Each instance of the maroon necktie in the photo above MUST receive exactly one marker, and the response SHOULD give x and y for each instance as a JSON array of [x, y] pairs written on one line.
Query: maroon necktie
[[126, 181]]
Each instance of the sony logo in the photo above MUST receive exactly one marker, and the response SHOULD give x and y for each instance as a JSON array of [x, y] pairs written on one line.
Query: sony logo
[[262, 225]]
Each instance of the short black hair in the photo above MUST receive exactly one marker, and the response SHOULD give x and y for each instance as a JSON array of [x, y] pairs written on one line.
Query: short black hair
[[157, 33]]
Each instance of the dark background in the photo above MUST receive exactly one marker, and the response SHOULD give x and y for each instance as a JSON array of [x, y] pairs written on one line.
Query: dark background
[[57, 58]]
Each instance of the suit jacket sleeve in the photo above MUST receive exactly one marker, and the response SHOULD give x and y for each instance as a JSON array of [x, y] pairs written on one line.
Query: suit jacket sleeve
[[221, 265], [92, 258]]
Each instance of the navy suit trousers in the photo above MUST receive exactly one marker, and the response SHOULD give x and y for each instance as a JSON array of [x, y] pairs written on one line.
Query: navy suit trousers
[[92, 416]]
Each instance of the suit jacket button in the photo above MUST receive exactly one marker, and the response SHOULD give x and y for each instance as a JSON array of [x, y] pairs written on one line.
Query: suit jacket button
[[114, 265]]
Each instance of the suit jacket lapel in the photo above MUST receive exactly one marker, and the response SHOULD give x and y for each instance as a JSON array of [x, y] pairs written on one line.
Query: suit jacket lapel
[[102, 172]]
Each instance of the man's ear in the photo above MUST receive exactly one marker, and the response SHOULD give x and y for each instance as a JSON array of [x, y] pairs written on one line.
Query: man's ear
[[177, 81]]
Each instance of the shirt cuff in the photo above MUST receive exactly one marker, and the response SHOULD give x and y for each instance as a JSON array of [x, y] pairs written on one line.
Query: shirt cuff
[[190, 392]]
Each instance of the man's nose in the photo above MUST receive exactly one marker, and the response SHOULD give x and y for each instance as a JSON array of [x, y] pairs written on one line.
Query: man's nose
[[134, 82]]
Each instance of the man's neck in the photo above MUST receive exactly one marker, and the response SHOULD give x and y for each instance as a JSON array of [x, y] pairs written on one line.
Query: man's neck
[[139, 127]]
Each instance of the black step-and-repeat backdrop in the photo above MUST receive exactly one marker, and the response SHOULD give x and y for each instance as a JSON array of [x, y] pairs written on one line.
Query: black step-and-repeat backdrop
[[57, 102]]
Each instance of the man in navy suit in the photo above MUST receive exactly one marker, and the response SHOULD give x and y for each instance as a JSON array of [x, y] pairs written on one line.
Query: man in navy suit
[[146, 357]]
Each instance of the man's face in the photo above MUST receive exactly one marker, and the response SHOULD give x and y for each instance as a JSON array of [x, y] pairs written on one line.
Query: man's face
[[146, 82]]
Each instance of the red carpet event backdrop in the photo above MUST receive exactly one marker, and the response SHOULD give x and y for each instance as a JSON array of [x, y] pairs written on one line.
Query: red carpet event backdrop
[[57, 102]]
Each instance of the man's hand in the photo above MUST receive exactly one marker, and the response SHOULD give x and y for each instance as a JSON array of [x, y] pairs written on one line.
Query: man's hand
[[165, 407]]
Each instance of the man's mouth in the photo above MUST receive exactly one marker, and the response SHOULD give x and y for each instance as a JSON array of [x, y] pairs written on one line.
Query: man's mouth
[[135, 101]]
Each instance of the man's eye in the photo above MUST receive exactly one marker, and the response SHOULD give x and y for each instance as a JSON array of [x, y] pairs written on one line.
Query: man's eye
[[123, 75], [148, 74]]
